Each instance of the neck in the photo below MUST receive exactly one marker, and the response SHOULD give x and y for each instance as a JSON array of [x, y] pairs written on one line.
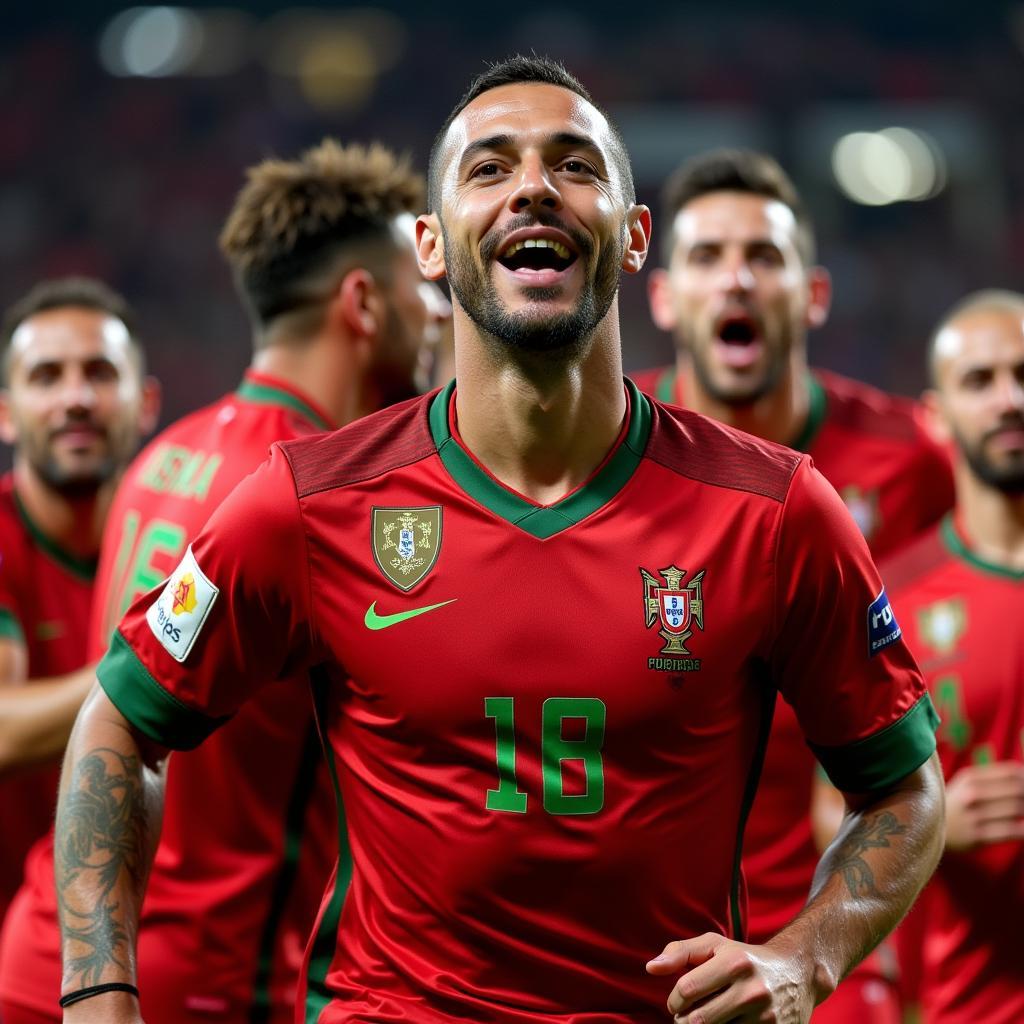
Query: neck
[[779, 416], [541, 428], [992, 521], [324, 371], [73, 524]]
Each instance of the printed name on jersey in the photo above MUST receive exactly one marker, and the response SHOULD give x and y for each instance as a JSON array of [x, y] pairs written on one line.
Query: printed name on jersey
[[178, 614], [677, 608], [405, 542], [942, 624], [883, 629]]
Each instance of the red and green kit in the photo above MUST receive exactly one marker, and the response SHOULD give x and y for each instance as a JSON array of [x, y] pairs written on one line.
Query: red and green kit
[[545, 722], [247, 847], [959, 613], [45, 595]]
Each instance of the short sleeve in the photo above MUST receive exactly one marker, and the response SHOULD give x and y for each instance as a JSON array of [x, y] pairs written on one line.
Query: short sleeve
[[838, 655], [232, 617]]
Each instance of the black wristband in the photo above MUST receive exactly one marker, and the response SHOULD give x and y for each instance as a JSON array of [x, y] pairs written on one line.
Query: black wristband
[[95, 990]]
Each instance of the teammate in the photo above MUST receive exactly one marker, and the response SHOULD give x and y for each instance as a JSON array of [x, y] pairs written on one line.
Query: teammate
[[959, 591], [542, 614], [74, 403], [322, 252], [739, 290]]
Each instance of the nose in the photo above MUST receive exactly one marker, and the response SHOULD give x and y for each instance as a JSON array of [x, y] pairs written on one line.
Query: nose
[[78, 393], [1011, 392], [735, 274], [535, 186]]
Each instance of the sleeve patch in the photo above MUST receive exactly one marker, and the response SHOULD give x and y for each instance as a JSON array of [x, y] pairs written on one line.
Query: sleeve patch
[[883, 629], [178, 614]]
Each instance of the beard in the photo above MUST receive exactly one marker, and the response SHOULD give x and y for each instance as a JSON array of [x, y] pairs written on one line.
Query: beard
[[1007, 478], [527, 331], [71, 481]]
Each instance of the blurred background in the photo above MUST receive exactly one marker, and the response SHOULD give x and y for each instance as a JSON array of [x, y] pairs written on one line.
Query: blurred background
[[126, 131]]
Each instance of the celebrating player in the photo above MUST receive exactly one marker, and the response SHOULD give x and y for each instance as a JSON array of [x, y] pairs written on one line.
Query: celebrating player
[[545, 618], [739, 291], [323, 256], [75, 402], [960, 595]]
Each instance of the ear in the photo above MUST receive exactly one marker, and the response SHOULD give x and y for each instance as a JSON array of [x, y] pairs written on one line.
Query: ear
[[8, 432], [430, 246], [659, 298], [357, 304], [819, 286], [934, 417], [638, 239], [149, 407]]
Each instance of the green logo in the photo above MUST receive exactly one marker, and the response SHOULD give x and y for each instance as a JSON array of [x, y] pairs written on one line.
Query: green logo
[[374, 621]]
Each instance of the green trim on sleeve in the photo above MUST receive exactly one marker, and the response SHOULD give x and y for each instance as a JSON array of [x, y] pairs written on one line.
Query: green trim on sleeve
[[146, 704], [10, 626], [881, 760]]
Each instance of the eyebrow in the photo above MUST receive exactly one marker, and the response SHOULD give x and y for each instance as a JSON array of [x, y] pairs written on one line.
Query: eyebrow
[[504, 141]]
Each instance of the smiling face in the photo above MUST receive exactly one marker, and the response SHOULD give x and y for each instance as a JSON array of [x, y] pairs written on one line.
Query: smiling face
[[737, 294], [534, 224], [979, 369], [74, 399]]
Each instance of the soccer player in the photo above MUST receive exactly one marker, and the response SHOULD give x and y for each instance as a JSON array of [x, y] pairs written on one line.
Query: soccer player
[[545, 618], [959, 591], [323, 255], [74, 403], [739, 290]]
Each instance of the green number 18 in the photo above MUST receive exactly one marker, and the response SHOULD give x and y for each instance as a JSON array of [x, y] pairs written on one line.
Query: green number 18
[[555, 750]]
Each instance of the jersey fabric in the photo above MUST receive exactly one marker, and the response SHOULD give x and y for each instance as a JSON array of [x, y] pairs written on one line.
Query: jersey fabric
[[546, 721], [45, 594], [248, 837], [896, 482], [959, 613]]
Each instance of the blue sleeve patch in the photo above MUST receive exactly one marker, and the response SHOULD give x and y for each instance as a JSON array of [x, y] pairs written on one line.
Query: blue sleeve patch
[[883, 629]]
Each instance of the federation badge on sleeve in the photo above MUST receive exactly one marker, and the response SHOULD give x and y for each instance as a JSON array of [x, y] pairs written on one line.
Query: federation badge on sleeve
[[406, 543], [678, 609], [883, 629], [178, 614]]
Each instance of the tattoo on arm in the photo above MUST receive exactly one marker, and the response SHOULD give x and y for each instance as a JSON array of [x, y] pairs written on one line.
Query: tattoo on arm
[[870, 833], [103, 821]]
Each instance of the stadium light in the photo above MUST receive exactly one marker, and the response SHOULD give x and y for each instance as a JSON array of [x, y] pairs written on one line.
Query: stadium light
[[151, 41], [889, 166]]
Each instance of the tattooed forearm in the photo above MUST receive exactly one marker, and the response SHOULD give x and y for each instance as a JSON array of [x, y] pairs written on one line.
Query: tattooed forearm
[[872, 832], [100, 851]]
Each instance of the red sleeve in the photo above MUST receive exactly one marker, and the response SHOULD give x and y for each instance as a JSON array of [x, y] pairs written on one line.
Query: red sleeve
[[838, 655], [234, 616]]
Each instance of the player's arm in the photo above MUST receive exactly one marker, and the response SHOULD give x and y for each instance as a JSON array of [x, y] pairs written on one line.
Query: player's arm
[[108, 824], [985, 804], [36, 720], [13, 658]]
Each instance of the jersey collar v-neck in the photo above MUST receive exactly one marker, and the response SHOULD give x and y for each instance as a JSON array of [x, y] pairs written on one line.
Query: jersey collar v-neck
[[83, 568], [543, 521], [264, 389], [957, 546]]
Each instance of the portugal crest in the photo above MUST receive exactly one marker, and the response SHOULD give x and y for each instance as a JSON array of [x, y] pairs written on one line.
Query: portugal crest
[[676, 607], [406, 543], [942, 624]]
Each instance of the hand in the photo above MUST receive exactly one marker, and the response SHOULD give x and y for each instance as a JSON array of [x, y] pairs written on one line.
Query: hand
[[985, 804], [731, 981]]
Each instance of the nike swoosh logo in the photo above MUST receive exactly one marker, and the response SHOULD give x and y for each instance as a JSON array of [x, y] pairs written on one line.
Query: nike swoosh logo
[[374, 621]]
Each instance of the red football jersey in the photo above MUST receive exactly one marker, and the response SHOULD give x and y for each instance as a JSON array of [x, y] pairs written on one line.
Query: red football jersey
[[249, 837], [45, 594], [546, 721], [896, 482], [961, 617]]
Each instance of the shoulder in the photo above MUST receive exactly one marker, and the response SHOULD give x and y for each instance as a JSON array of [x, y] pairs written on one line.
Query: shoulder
[[367, 448], [707, 451], [918, 559]]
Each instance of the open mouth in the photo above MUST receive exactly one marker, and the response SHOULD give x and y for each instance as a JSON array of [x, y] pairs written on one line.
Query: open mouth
[[739, 341], [537, 255]]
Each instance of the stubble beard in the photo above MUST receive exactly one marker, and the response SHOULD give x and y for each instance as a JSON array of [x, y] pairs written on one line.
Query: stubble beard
[[737, 397], [1007, 479]]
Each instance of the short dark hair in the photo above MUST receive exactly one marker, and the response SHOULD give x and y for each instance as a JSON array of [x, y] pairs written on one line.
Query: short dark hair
[[74, 292], [735, 170], [513, 70], [994, 300], [293, 218]]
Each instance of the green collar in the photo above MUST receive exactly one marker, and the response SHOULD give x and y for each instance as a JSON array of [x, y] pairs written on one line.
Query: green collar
[[665, 387], [542, 521], [817, 408], [264, 391], [956, 546], [83, 568]]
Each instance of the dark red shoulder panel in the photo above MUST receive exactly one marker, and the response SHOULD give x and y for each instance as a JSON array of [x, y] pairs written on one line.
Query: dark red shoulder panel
[[703, 449], [923, 554], [364, 449], [863, 409]]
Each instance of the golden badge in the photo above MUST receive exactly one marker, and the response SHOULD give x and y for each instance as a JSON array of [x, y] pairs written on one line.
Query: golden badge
[[406, 543]]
